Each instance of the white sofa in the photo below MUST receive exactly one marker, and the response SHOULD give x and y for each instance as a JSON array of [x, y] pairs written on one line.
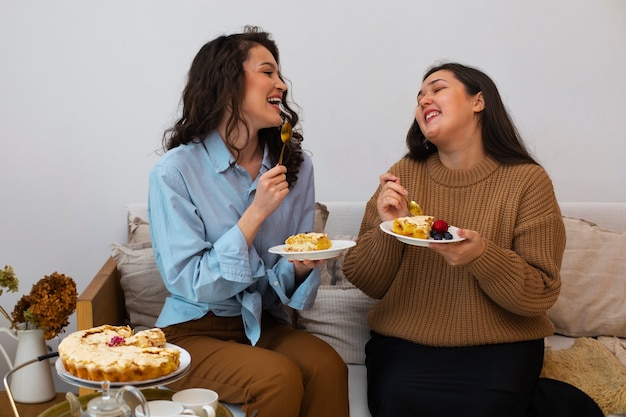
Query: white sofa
[[339, 312]]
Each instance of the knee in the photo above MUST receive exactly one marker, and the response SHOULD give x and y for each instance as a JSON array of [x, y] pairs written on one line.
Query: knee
[[290, 379], [327, 372], [328, 360], [283, 379], [277, 391]]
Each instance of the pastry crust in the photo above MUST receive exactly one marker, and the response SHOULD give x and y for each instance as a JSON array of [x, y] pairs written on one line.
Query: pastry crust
[[413, 226], [305, 242], [117, 354]]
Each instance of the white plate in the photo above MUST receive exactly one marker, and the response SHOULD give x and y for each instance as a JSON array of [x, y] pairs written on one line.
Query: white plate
[[337, 248], [387, 226], [183, 368]]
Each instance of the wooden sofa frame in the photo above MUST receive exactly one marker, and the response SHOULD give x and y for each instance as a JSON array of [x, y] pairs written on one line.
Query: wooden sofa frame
[[102, 302]]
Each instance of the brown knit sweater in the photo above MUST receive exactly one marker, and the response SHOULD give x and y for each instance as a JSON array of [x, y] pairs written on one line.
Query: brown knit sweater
[[500, 297]]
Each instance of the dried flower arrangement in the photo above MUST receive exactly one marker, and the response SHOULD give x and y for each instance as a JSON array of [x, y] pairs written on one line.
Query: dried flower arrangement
[[48, 306]]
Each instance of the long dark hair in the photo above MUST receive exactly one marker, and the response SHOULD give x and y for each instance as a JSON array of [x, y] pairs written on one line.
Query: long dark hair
[[501, 138], [215, 84]]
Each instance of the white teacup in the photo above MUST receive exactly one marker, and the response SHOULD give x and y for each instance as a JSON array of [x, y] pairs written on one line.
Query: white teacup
[[164, 408], [201, 401]]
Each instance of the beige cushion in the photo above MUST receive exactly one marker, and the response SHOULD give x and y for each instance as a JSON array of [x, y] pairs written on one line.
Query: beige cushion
[[593, 274], [138, 230], [319, 224], [321, 216], [339, 316], [592, 368], [144, 290], [332, 272]]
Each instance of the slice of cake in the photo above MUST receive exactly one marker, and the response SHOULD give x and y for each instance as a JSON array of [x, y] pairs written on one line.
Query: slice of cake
[[305, 242], [413, 226], [117, 354]]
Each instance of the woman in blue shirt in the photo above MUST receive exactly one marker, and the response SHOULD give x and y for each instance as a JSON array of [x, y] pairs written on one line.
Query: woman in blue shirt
[[218, 200]]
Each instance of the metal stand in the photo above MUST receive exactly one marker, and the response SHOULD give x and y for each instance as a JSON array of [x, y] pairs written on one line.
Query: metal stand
[[6, 377]]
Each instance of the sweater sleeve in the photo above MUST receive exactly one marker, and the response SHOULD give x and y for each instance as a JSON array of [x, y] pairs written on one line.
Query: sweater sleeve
[[372, 264], [525, 279]]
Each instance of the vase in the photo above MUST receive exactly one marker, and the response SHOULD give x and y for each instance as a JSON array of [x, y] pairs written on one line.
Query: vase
[[33, 383]]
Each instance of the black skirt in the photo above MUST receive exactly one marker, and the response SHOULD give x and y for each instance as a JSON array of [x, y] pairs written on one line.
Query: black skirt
[[406, 379]]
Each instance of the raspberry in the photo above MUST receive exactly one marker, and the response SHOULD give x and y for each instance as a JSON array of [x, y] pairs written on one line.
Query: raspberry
[[440, 226], [116, 341]]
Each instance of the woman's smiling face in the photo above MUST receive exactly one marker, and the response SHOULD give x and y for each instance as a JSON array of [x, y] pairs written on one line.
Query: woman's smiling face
[[445, 110], [264, 89]]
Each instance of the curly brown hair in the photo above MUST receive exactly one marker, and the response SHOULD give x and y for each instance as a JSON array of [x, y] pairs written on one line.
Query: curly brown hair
[[215, 84]]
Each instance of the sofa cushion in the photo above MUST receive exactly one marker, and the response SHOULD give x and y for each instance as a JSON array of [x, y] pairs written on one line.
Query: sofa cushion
[[593, 276], [144, 290], [339, 317], [332, 272], [138, 230], [321, 216]]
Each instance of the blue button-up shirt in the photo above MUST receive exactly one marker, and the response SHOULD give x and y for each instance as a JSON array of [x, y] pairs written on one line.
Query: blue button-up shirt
[[196, 197]]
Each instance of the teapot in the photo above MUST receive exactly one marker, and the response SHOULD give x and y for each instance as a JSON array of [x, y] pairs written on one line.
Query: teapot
[[107, 406]]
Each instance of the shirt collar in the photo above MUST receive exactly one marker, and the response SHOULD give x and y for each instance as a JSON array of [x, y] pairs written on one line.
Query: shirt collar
[[218, 153], [222, 159]]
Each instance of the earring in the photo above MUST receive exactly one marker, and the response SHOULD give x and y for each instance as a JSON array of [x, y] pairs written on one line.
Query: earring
[[426, 144]]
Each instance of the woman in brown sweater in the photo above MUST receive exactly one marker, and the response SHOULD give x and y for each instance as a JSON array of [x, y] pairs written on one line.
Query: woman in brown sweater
[[459, 328]]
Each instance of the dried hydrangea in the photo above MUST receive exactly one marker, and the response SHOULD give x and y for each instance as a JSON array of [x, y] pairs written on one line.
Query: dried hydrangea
[[48, 306], [8, 281]]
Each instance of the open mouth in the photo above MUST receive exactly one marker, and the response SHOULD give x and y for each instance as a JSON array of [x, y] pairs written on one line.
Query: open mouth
[[431, 114], [275, 101]]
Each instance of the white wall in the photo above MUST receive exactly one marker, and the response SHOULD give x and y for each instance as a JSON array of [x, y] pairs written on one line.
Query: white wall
[[87, 88]]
